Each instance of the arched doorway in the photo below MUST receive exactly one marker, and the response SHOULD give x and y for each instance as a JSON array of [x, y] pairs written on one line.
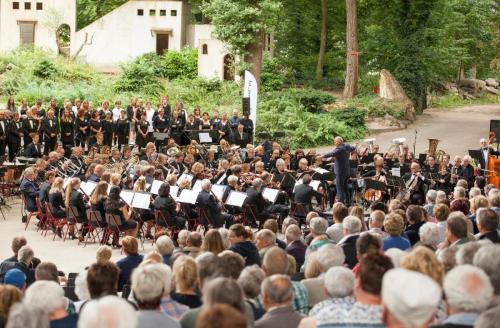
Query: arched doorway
[[228, 67], [63, 39]]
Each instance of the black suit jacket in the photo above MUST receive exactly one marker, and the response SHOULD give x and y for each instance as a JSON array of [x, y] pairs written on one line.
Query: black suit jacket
[[14, 129], [33, 151], [342, 155], [6, 266], [76, 201], [4, 131], [303, 194], [167, 206], [255, 198], [241, 140], [298, 250], [47, 128], [492, 236], [30, 192], [482, 159], [207, 201]]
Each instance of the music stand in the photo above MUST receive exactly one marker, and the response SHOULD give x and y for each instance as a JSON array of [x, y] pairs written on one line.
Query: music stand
[[374, 184], [422, 158], [368, 158], [287, 181], [160, 136]]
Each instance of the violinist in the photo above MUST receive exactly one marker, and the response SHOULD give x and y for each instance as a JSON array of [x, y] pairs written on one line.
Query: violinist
[[259, 169], [144, 216], [207, 201], [304, 193], [303, 168], [197, 172], [118, 208], [74, 200]]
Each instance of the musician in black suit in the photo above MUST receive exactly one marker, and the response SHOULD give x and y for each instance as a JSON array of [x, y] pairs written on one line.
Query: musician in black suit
[[29, 189], [467, 172], [341, 167], [248, 125], [486, 152], [168, 207], [206, 200], [263, 208], [241, 138], [416, 184], [43, 194], [3, 133], [431, 166], [30, 125], [304, 193], [50, 129], [33, 149], [15, 133]]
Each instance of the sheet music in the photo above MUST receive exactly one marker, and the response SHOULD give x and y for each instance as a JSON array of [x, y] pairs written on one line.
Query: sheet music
[[236, 198], [218, 191], [270, 194], [185, 176], [141, 200], [396, 171], [174, 190], [221, 179], [205, 137], [127, 196], [156, 186], [197, 186], [88, 187], [188, 196], [148, 186], [315, 184], [320, 170]]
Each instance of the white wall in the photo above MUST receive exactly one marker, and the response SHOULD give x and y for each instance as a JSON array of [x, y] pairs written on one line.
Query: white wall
[[45, 36], [122, 35], [211, 65]]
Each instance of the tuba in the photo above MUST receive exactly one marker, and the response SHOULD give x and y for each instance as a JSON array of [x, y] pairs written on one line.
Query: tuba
[[433, 151], [370, 142], [398, 145], [173, 151]]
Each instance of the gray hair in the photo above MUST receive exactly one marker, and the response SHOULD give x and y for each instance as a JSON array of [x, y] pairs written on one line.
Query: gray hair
[[352, 224], [165, 245], [81, 287], [266, 236], [318, 225], [465, 253], [488, 259], [467, 289], [182, 237], [257, 183], [151, 281], [225, 291], [473, 192], [293, 233], [429, 234], [109, 312], [251, 279], [280, 161], [440, 195], [487, 319], [396, 255], [205, 184], [329, 256], [458, 192], [25, 254], [45, 294], [431, 195], [27, 316], [224, 233], [278, 289], [232, 179], [339, 282]]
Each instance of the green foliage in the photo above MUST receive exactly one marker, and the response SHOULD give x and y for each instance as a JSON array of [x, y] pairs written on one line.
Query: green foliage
[[313, 100], [177, 64], [139, 76], [45, 69], [242, 23], [282, 111], [451, 100], [374, 106], [274, 74], [91, 10]]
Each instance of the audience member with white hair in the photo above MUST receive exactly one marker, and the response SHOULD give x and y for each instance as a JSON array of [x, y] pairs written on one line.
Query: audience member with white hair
[[318, 226], [429, 235], [410, 299], [250, 280], [352, 227], [396, 255], [109, 312], [295, 246], [277, 297], [441, 196], [339, 287], [473, 192], [165, 246], [49, 296], [488, 259], [81, 290], [264, 240], [376, 222], [465, 254], [149, 284], [468, 292], [328, 256], [430, 199]]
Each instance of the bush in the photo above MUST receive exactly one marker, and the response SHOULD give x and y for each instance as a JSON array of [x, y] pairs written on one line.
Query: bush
[[283, 111], [181, 64], [45, 69], [273, 75], [141, 77]]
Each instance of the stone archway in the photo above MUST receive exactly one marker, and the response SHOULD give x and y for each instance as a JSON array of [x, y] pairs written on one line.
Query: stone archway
[[63, 39]]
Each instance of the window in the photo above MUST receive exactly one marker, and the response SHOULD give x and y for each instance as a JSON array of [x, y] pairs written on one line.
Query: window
[[173, 13], [140, 12], [163, 12], [39, 6], [152, 12], [27, 32], [27, 5], [15, 5], [204, 49]]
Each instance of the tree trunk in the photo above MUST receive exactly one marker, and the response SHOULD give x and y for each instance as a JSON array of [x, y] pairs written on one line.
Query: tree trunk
[[322, 45], [473, 71], [352, 62], [461, 72], [254, 57]]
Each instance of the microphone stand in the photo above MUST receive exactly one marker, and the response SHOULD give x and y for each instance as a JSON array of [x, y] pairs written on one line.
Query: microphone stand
[[415, 142]]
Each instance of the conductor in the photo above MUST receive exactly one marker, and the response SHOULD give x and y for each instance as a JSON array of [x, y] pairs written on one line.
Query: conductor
[[341, 168]]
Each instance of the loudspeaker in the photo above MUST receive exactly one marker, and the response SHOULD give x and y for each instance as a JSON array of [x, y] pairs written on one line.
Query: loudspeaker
[[246, 105]]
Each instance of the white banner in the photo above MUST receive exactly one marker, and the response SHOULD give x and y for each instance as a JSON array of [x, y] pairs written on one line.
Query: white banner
[[250, 91]]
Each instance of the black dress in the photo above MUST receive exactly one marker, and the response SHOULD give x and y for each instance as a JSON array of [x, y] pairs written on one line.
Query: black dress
[[167, 206], [141, 140], [122, 129], [123, 224], [57, 204], [94, 125], [107, 128], [81, 136], [67, 133], [176, 130]]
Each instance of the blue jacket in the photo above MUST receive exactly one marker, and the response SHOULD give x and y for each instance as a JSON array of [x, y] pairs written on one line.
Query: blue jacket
[[342, 155], [30, 192]]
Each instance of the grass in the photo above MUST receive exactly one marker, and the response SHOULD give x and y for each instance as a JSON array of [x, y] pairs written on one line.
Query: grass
[[452, 101]]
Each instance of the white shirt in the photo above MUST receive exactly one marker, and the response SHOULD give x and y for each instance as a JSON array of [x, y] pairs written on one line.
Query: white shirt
[[116, 114], [485, 155], [149, 117]]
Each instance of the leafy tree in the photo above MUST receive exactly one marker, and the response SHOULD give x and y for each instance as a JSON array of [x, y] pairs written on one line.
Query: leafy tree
[[242, 25], [91, 10]]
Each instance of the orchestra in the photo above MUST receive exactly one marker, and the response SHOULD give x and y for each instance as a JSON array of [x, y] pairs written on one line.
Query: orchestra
[[81, 159]]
